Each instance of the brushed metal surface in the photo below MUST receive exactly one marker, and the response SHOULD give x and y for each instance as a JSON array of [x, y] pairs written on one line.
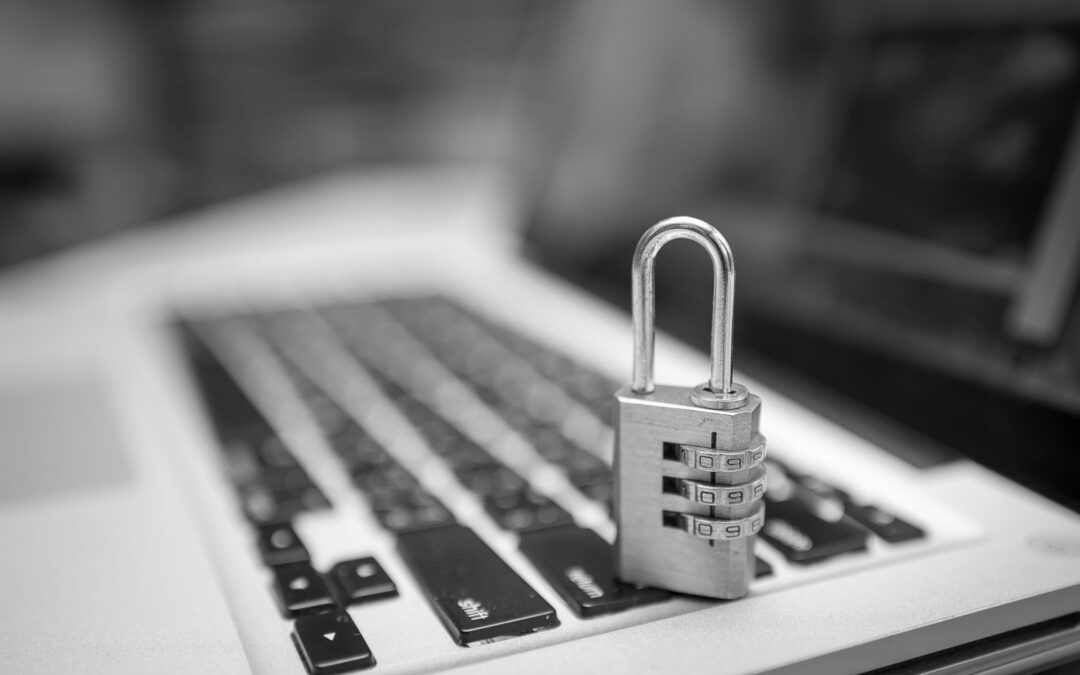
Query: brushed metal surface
[[650, 553]]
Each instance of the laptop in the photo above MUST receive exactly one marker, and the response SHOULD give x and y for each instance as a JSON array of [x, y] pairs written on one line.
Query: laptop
[[345, 425]]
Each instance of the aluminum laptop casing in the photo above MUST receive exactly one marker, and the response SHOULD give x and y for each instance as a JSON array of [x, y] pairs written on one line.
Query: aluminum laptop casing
[[156, 571]]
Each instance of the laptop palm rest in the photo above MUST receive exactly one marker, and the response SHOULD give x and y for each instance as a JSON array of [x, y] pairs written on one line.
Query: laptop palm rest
[[102, 569]]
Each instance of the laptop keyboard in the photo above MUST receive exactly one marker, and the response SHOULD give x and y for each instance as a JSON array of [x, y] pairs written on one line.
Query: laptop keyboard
[[421, 401]]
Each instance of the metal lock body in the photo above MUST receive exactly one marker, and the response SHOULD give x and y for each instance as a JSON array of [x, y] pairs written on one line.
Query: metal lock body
[[689, 477]]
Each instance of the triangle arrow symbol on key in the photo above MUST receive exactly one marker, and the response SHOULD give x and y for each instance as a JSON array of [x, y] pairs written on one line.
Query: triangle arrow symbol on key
[[330, 636]]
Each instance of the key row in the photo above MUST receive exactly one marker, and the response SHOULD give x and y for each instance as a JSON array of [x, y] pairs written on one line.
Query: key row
[[584, 384], [575, 562], [800, 531], [800, 535], [272, 486], [513, 505], [810, 521], [475, 594], [532, 405]]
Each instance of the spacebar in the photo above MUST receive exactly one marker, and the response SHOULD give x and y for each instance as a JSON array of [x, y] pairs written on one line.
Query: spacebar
[[477, 596]]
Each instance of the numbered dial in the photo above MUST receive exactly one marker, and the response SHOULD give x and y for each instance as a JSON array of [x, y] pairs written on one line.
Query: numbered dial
[[705, 527], [712, 494], [715, 459]]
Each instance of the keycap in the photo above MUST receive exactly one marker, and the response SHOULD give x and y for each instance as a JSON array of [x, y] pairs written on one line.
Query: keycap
[[468, 459], [889, 527], [299, 589], [584, 469], [228, 406], [491, 480], [525, 510], [803, 537], [291, 480], [240, 463], [579, 565], [552, 445], [603, 493], [762, 569], [362, 580], [476, 595], [819, 487], [331, 643], [274, 454], [405, 511], [280, 545], [331, 419], [388, 479], [413, 496], [263, 506]]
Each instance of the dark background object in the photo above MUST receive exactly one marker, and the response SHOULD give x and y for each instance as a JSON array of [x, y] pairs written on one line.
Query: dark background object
[[116, 113]]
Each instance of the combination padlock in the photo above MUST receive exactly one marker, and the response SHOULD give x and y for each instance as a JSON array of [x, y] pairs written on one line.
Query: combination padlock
[[689, 472]]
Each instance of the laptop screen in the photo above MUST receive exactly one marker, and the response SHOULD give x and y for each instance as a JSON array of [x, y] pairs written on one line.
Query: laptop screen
[[955, 137], [944, 192]]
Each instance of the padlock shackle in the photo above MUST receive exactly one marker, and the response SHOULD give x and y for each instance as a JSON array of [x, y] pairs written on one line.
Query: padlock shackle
[[643, 285]]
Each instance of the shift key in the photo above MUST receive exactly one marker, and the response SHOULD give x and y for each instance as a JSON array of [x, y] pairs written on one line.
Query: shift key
[[477, 596]]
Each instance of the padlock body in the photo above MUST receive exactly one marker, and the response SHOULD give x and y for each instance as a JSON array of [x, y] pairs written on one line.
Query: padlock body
[[651, 550]]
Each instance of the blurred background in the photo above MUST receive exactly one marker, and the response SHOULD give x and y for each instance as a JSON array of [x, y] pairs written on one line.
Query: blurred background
[[899, 180]]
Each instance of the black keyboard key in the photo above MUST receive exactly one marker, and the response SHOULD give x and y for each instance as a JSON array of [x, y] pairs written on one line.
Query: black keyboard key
[[263, 506], [365, 471], [331, 419], [405, 517], [389, 481], [286, 480], [331, 643], [604, 493], [580, 566], [552, 445], [385, 493], [280, 545], [359, 450], [491, 480], [299, 589], [229, 408], [819, 487], [803, 537], [584, 469], [477, 596], [885, 525], [763, 569], [411, 497], [241, 463], [525, 510], [462, 452], [468, 459], [362, 580], [273, 454]]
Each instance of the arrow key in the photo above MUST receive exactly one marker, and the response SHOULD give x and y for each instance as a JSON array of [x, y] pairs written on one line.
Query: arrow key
[[331, 643], [299, 589]]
